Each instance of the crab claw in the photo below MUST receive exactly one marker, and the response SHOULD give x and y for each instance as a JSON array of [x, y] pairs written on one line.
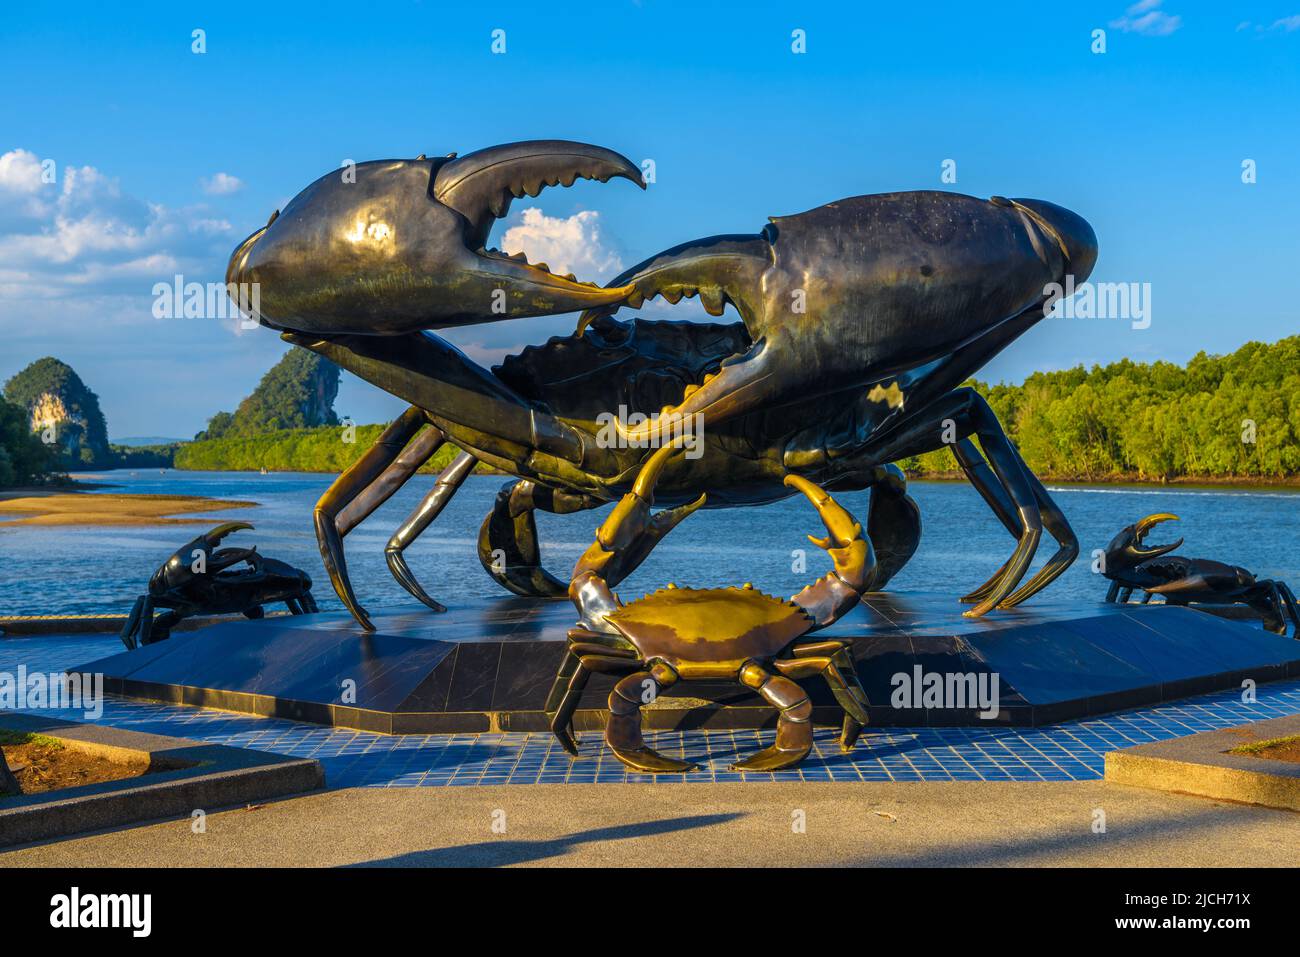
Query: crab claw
[[1136, 549], [855, 291], [396, 246], [630, 531], [832, 596], [854, 558], [214, 537], [180, 568], [623, 541], [1127, 549]]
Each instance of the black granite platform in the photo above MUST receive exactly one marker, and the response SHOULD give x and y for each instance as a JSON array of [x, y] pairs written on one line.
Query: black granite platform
[[487, 665]]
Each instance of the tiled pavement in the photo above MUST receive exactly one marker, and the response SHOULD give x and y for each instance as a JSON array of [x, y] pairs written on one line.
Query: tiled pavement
[[1066, 752]]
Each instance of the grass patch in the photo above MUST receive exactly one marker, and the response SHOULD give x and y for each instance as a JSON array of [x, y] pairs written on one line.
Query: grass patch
[[14, 738], [1255, 747]]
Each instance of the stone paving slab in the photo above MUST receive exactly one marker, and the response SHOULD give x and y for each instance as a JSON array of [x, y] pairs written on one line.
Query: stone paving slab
[[186, 775], [1204, 764], [1069, 751]]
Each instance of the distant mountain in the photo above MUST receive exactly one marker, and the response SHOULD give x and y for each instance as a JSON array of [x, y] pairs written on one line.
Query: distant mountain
[[63, 412], [297, 393], [136, 441]]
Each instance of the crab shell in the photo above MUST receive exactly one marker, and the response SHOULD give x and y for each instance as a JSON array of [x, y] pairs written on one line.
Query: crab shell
[[710, 632]]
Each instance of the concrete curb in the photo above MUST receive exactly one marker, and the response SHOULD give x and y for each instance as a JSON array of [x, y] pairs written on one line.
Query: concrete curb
[[1201, 764], [35, 625], [187, 776]]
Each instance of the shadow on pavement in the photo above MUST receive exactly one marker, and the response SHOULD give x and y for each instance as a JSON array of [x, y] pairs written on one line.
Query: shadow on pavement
[[506, 851]]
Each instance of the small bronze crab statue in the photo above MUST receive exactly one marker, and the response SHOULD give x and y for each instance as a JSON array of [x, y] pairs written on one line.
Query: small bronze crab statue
[[687, 633], [201, 579], [1130, 565]]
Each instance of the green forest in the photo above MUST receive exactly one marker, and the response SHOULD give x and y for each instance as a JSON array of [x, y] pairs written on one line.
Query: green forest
[[1219, 418], [322, 449], [24, 458]]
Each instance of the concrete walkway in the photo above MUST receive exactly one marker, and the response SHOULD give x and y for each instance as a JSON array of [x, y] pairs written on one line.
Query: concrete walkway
[[887, 824]]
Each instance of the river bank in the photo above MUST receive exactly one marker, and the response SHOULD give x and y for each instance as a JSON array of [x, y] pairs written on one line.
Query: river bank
[[83, 507], [1285, 483], [1132, 480], [98, 569]]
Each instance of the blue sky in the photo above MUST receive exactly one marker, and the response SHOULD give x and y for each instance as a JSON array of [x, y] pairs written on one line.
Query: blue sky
[[165, 158]]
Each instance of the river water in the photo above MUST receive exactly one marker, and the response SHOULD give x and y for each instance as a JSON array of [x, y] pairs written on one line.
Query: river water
[[67, 570]]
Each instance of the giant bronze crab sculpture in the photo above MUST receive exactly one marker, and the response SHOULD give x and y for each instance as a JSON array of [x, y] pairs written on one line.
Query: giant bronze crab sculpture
[[859, 321], [739, 634], [1132, 565]]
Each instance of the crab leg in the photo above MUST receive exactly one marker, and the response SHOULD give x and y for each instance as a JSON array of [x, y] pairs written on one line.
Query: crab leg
[[1058, 526], [833, 661], [1054, 520], [794, 737], [623, 733], [507, 540], [394, 476], [355, 480], [1288, 598], [132, 624], [145, 635], [588, 652], [444, 487], [972, 415]]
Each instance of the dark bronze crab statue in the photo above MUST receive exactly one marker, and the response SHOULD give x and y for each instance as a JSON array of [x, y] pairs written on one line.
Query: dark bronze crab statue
[[202, 579], [679, 634], [1131, 565], [859, 322]]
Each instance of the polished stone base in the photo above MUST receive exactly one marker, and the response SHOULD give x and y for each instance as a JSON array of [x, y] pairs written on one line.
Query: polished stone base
[[487, 665]]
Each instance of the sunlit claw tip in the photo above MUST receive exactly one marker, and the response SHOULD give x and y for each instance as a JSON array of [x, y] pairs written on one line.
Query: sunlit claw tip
[[588, 317], [214, 537], [1151, 521], [644, 487], [841, 527], [649, 431], [1140, 531]]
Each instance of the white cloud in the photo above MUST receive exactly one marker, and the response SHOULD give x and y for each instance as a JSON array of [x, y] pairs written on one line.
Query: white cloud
[[1146, 18], [1287, 24], [221, 184], [572, 245], [81, 233], [23, 195]]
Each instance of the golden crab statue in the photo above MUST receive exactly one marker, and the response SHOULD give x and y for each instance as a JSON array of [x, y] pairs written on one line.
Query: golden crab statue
[[683, 634]]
